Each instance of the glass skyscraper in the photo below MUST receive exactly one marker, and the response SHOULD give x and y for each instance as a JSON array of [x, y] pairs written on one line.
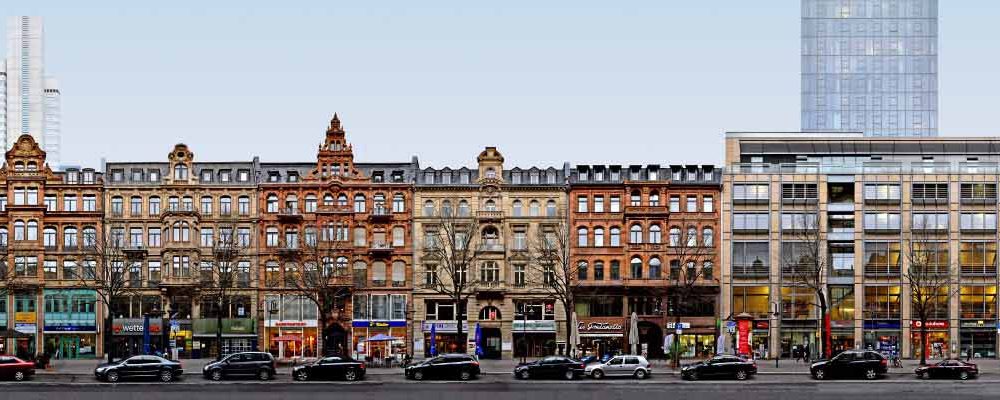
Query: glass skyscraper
[[870, 66]]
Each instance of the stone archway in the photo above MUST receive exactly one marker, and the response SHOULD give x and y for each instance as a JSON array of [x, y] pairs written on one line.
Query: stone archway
[[651, 337], [335, 340]]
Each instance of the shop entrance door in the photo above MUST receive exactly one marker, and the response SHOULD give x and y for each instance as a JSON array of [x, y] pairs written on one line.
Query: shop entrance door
[[69, 347], [491, 343]]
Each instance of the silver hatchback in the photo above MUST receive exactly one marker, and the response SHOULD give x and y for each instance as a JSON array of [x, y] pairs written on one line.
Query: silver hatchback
[[634, 366]]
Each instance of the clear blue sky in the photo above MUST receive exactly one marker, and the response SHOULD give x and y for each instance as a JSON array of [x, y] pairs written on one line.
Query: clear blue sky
[[546, 81]]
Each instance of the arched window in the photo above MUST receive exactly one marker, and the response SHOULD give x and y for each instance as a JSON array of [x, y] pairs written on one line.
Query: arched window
[[534, 208], [675, 236], [180, 171], [291, 202], [243, 204], [70, 237], [271, 236], [225, 205], [707, 237], [327, 199], [654, 234], [636, 267], [272, 203], [598, 270], [310, 204], [550, 208], [182, 232], [378, 202], [32, 166], [359, 203], [360, 273], [49, 237], [342, 200], [32, 230], [89, 236], [517, 208], [654, 268], [206, 205], [635, 234], [616, 237], [490, 236], [692, 236], [635, 199], [598, 237], [341, 263], [581, 270], [581, 237], [18, 230], [428, 208], [463, 208], [489, 313], [654, 199], [491, 173], [491, 205]]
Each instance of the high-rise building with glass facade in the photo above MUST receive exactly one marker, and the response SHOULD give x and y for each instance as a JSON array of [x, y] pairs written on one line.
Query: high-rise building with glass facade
[[32, 106], [870, 66]]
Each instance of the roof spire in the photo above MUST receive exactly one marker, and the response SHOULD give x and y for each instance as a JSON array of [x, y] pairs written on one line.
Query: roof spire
[[335, 124]]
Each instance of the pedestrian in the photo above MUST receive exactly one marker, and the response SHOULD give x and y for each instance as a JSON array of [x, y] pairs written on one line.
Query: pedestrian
[[968, 354], [805, 353]]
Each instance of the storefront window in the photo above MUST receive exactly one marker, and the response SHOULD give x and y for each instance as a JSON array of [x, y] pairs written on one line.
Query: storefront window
[[534, 310], [937, 344], [605, 306], [978, 302], [700, 346], [797, 303], [752, 300], [882, 302]]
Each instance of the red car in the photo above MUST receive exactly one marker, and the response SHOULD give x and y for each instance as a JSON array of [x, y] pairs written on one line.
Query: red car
[[948, 369], [15, 368]]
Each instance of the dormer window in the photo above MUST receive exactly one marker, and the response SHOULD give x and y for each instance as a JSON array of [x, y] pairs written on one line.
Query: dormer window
[[599, 175], [515, 178], [533, 177], [692, 174], [634, 174], [206, 175], [88, 177], [463, 178], [273, 177], [117, 175], [378, 177], [446, 177], [491, 173], [225, 176], [19, 166], [293, 177], [180, 171], [154, 175], [653, 174], [72, 176], [32, 166], [397, 176], [677, 175], [136, 175], [244, 175]]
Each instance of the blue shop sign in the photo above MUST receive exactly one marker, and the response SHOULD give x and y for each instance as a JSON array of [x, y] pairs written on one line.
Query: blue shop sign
[[70, 328], [358, 323], [891, 324]]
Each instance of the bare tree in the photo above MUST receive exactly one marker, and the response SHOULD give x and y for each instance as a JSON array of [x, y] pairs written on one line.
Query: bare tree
[[104, 270], [553, 272], [453, 252], [692, 270], [325, 280], [805, 264], [225, 275], [929, 278]]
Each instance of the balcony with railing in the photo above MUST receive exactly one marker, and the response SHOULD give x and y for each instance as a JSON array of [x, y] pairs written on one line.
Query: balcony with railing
[[491, 247], [398, 284], [289, 214], [646, 210], [380, 213], [882, 271], [179, 210], [751, 271], [334, 209], [288, 250], [978, 270], [378, 283], [489, 215], [380, 247]]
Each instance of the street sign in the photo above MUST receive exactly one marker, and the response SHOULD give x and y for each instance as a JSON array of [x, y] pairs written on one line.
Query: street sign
[[731, 324]]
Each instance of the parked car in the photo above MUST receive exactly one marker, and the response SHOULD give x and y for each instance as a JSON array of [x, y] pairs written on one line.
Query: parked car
[[551, 367], [948, 369], [330, 368], [851, 364], [589, 360], [139, 367], [634, 366], [15, 368], [445, 366], [720, 367], [258, 364]]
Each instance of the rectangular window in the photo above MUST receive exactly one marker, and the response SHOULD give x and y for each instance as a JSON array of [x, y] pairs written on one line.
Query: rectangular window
[[882, 221], [752, 300], [69, 203], [751, 193], [978, 302], [929, 192], [797, 192], [798, 303], [979, 193], [692, 204], [598, 203], [978, 222], [882, 302], [882, 193], [675, 204], [581, 204], [751, 222], [882, 259], [930, 221], [707, 204], [978, 258], [799, 222], [751, 259], [842, 303], [616, 204]]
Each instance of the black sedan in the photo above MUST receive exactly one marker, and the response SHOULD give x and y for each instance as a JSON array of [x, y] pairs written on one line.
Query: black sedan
[[330, 368], [448, 366], [139, 367], [851, 364], [555, 367], [720, 367], [948, 369]]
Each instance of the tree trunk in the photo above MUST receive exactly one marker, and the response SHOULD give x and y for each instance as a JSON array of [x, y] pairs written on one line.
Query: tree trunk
[[462, 343], [109, 338], [823, 334], [569, 330], [923, 339], [218, 335]]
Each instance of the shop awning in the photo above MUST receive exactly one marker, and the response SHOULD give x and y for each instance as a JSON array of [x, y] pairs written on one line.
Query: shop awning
[[287, 338], [9, 333], [227, 335], [602, 335], [382, 338]]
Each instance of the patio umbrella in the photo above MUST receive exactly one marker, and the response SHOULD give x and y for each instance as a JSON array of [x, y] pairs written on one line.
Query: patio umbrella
[[145, 334], [574, 332], [720, 344], [382, 338], [479, 340], [633, 333], [434, 351]]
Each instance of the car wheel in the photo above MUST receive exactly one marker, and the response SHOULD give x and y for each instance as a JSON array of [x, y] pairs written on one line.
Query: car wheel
[[693, 375], [166, 376], [920, 375], [418, 376], [639, 374], [819, 374], [524, 374], [964, 375], [111, 377], [465, 375], [597, 374], [569, 375], [264, 375], [19, 376], [351, 375], [216, 375], [741, 375], [870, 374], [302, 376]]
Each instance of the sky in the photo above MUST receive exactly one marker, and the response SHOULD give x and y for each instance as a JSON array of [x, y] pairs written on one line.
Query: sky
[[584, 82]]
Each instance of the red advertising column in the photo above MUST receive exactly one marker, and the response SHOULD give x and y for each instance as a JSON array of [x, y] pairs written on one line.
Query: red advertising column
[[743, 329]]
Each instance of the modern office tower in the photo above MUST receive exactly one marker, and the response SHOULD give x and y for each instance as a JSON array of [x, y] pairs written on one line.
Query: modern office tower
[[886, 217], [3, 98], [53, 122], [27, 97], [870, 66]]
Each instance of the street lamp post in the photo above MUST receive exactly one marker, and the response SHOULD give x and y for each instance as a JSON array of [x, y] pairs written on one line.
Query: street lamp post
[[775, 316]]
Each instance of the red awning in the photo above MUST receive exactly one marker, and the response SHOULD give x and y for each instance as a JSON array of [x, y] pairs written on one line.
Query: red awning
[[287, 338]]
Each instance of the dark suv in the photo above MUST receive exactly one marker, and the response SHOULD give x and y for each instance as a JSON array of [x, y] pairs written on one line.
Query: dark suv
[[257, 364], [851, 364], [448, 366]]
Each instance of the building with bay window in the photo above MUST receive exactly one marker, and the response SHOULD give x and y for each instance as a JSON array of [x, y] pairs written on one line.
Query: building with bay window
[[869, 207], [510, 209]]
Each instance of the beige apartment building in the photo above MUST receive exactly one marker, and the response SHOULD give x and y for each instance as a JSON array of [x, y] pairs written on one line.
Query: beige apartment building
[[509, 207], [871, 203]]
